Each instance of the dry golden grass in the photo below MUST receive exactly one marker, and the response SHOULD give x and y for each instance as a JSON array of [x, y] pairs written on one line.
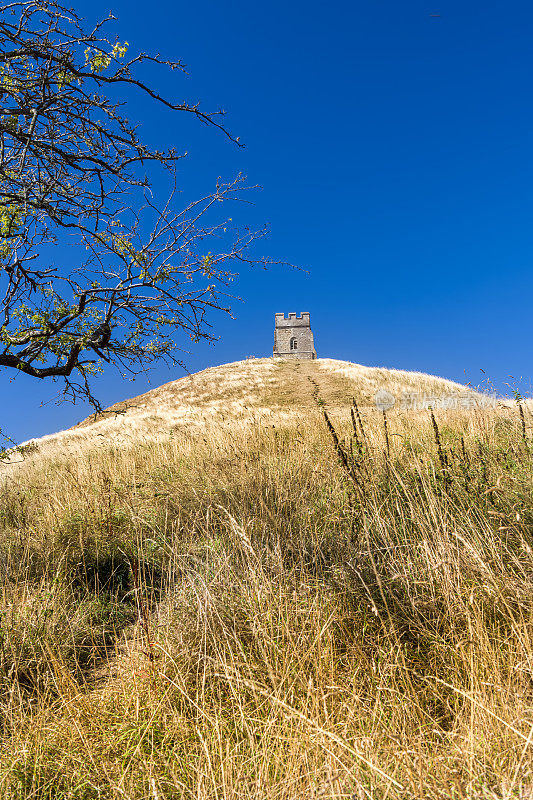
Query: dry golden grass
[[224, 610], [237, 393]]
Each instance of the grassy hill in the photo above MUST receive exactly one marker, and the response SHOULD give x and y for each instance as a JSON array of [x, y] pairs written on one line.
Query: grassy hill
[[217, 590], [239, 392], [268, 385]]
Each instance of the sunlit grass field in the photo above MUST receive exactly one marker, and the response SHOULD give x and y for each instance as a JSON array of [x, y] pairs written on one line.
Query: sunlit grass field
[[258, 605]]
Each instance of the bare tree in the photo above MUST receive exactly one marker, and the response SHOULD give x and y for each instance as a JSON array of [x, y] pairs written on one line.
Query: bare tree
[[74, 172]]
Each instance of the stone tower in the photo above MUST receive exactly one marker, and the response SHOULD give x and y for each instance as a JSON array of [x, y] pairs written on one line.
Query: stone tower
[[293, 337]]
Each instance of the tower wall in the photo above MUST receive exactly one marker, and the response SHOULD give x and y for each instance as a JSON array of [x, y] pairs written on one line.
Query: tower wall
[[295, 329]]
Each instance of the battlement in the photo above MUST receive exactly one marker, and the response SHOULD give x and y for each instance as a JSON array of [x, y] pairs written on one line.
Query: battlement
[[292, 320]]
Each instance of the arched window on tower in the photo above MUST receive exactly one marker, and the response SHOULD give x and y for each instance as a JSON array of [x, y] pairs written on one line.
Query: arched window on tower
[[294, 343]]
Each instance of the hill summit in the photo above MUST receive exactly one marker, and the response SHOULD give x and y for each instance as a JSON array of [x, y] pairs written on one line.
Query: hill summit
[[256, 388], [261, 386]]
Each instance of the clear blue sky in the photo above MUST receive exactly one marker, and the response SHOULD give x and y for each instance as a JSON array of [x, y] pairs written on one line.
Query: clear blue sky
[[395, 153]]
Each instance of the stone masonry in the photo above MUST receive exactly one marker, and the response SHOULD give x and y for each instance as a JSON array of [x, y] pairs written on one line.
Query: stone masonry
[[293, 337]]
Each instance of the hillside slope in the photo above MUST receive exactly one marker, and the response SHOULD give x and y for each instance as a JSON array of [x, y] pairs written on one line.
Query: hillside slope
[[262, 386], [267, 383], [211, 594], [241, 391]]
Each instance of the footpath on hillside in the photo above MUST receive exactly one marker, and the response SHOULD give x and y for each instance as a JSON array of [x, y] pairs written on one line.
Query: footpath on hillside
[[294, 383]]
